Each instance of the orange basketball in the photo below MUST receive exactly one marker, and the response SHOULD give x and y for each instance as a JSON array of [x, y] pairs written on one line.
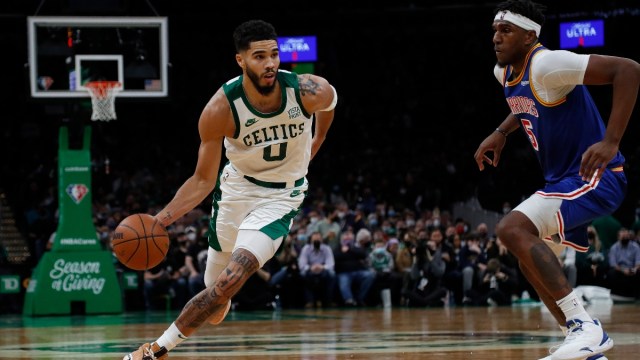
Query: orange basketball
[[140, 242]]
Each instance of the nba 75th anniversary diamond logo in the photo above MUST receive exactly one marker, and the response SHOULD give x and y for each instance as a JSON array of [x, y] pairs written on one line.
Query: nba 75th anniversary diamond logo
[[77, 192]]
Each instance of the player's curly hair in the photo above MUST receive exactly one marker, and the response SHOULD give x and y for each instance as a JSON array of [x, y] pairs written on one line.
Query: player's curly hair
[[533, 11], [253, 30]]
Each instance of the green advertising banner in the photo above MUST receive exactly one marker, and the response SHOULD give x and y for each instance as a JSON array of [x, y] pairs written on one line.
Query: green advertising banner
[[60, 279], [77, 272], [75, 228]]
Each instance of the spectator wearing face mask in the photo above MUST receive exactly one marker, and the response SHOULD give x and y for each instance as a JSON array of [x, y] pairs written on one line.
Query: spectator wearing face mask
[[301, 239], [364, 240], [381, 261], [331, 226], [316, 264], [624, 259], [372, 221], [592, 265], [353, 270], [473, 260], [315, 218]]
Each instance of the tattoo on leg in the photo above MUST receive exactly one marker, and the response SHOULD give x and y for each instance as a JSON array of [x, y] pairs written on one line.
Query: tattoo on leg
[[549, 268], [544, 295], [214, 299]]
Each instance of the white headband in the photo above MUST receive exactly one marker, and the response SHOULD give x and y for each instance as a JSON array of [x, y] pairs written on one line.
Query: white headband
[[519, 20]]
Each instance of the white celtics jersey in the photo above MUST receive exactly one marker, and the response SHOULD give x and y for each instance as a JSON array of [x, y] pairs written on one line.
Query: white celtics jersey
[[273, 147]]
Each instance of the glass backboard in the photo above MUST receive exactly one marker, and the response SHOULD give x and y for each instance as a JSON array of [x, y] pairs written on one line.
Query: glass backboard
[[67, 52]]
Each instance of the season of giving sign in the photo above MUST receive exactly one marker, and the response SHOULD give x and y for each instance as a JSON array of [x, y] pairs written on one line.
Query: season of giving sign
[[70, 276], [63, 278]]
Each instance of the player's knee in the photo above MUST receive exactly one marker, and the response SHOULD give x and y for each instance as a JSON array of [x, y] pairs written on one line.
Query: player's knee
[[232, 277], [507, 233], [514, 237], [501, 230]]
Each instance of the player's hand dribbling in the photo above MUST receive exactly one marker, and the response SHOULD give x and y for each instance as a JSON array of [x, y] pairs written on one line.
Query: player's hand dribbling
[[597, 157], [493, 143]]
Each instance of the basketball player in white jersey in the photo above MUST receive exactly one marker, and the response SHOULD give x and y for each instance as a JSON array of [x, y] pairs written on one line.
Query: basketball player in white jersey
[[264, 118]]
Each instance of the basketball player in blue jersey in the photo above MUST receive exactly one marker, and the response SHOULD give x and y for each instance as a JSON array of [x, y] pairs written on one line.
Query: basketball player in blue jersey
[[264, 118], [579, 156]]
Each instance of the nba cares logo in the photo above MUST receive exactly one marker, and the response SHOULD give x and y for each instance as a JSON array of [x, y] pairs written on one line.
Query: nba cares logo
[[77, 192]]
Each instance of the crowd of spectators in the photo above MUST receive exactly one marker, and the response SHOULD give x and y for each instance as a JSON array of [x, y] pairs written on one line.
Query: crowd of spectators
[[344, 254], [336, 255]]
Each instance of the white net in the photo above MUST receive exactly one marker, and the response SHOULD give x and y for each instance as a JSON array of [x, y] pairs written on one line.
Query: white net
[[103, 97]]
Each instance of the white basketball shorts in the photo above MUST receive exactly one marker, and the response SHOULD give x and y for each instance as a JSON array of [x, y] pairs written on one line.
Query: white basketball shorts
[[250, 216]]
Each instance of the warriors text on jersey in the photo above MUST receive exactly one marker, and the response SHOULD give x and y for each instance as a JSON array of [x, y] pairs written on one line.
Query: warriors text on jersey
[[555, 110], [273, 147]]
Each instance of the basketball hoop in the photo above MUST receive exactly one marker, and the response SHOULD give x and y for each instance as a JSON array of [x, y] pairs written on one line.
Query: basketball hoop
[[103, 97]]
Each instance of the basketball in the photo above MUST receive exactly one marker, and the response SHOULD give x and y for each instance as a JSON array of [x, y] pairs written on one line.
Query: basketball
[[140, 242]]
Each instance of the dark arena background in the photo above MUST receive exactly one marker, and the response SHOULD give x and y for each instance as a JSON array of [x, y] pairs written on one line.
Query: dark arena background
[[417, 95]]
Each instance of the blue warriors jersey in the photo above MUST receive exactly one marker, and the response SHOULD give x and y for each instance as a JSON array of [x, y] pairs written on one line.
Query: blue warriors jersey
[[560, 132]]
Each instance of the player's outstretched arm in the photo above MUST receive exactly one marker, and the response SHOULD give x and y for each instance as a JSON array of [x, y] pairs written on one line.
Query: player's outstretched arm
[[318, 97], [213, 124], [495, 142], [624, 75]]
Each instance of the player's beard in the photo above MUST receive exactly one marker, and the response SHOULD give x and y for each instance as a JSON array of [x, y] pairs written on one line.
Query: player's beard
[[255, 80]]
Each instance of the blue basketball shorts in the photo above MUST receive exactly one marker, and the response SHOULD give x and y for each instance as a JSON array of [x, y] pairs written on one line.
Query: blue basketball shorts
[[562, 211]]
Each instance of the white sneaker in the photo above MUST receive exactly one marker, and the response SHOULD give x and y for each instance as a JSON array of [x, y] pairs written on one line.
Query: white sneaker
[[585, 339], [594, 357], [148, 352], [565, 331]]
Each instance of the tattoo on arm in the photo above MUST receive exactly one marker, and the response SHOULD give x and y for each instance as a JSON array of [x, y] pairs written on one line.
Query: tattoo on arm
[[307, 86], [214, 299], [167, 217], [549, 268]]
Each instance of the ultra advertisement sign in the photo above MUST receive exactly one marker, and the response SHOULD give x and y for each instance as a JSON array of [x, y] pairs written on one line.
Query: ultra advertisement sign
[[587, 33]]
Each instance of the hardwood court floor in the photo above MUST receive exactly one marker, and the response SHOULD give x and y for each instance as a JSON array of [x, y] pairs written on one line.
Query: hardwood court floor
[[398, 333]]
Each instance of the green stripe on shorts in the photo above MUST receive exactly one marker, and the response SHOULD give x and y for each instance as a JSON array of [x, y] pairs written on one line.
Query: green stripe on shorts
[[213, 235], [280, 227]]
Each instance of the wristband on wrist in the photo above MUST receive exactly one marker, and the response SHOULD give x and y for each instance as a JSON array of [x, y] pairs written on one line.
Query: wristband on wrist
[[504, 133]]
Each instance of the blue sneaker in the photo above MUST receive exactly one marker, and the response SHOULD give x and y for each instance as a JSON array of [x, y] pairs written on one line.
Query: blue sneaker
[[585, 340]]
